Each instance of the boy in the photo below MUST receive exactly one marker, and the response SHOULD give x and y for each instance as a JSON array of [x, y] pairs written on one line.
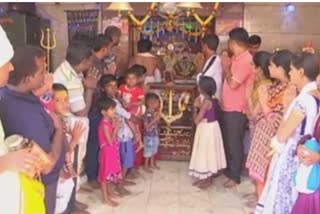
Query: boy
[[74, 136], [151, 133]]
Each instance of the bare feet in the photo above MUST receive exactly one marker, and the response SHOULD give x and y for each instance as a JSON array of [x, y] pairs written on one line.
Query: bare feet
[[121, 190], [110, 202], [80, 206], [80, 212], [249, 195], [128, 183], [115, 194], [148, 170], [197, 182], [155, 167], [230, 184], [205, 184], [132, 175], [94, 184]]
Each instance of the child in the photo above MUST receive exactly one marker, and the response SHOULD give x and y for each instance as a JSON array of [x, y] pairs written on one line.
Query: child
[[151, 134], [208, 155], [62, 107], [131, 94], [74, 135], [140, 72], [109, 161], [108, 87]]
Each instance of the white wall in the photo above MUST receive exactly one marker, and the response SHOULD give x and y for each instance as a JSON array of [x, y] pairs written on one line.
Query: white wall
[[282, 29]]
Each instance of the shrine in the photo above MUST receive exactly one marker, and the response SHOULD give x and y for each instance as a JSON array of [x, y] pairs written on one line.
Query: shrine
[[159, 107], [175, 30]]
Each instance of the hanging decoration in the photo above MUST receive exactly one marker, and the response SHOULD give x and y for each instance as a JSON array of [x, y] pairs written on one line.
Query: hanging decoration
[[205, 23], [82, 21], [170, 12], [140, 23]]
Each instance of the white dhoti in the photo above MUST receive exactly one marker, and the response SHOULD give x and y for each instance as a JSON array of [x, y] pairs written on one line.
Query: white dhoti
[[82, 146], [64, 191]]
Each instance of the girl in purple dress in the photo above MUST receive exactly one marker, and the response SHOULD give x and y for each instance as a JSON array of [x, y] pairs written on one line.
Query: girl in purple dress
[[208, 156], [109, 160]]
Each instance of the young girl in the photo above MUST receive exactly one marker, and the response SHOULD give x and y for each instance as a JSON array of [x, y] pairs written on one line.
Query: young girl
[[208, 155], [108, 88], [151, 133], [109, 167]]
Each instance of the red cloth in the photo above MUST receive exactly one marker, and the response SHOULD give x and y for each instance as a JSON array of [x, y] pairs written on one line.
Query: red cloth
[[131, 96], [139, 155], [109, 159]]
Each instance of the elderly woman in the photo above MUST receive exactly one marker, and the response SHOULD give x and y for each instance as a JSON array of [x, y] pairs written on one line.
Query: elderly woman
[[279, 195]]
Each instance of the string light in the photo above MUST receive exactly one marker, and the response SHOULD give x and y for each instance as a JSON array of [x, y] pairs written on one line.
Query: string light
[[290, 7], [2, 10]]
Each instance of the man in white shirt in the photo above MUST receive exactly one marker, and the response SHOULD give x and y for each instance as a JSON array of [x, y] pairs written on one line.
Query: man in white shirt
[[70, 73], [212, 67]]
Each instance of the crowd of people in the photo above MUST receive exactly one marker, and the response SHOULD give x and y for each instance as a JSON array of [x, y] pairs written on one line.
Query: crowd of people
[[85, 119], [275, 96]]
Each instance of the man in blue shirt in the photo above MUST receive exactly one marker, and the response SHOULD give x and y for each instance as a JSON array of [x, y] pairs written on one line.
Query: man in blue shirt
[[22, 113]]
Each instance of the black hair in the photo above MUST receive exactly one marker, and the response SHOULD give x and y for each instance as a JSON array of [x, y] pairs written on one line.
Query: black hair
[[212, 41], [106, 103], [309, 63], [144, 45], [111, 31], [262, 60], [132, 71], [255, 40], [140, 70], [24, 63], [151, 96], [283, 59], [77, 52], [59, 87], [101, 41], [239, 34], [208, 85], [106, 79]]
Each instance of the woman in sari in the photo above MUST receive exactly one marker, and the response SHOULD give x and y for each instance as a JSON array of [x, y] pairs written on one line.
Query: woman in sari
[[279, 195], [269, 116], [262, 78]]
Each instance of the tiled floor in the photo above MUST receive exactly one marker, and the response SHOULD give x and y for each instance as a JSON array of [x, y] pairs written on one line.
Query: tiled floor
[[170, 191]]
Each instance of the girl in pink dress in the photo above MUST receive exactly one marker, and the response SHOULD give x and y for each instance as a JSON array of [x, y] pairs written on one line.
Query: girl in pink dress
[[109, 158]]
